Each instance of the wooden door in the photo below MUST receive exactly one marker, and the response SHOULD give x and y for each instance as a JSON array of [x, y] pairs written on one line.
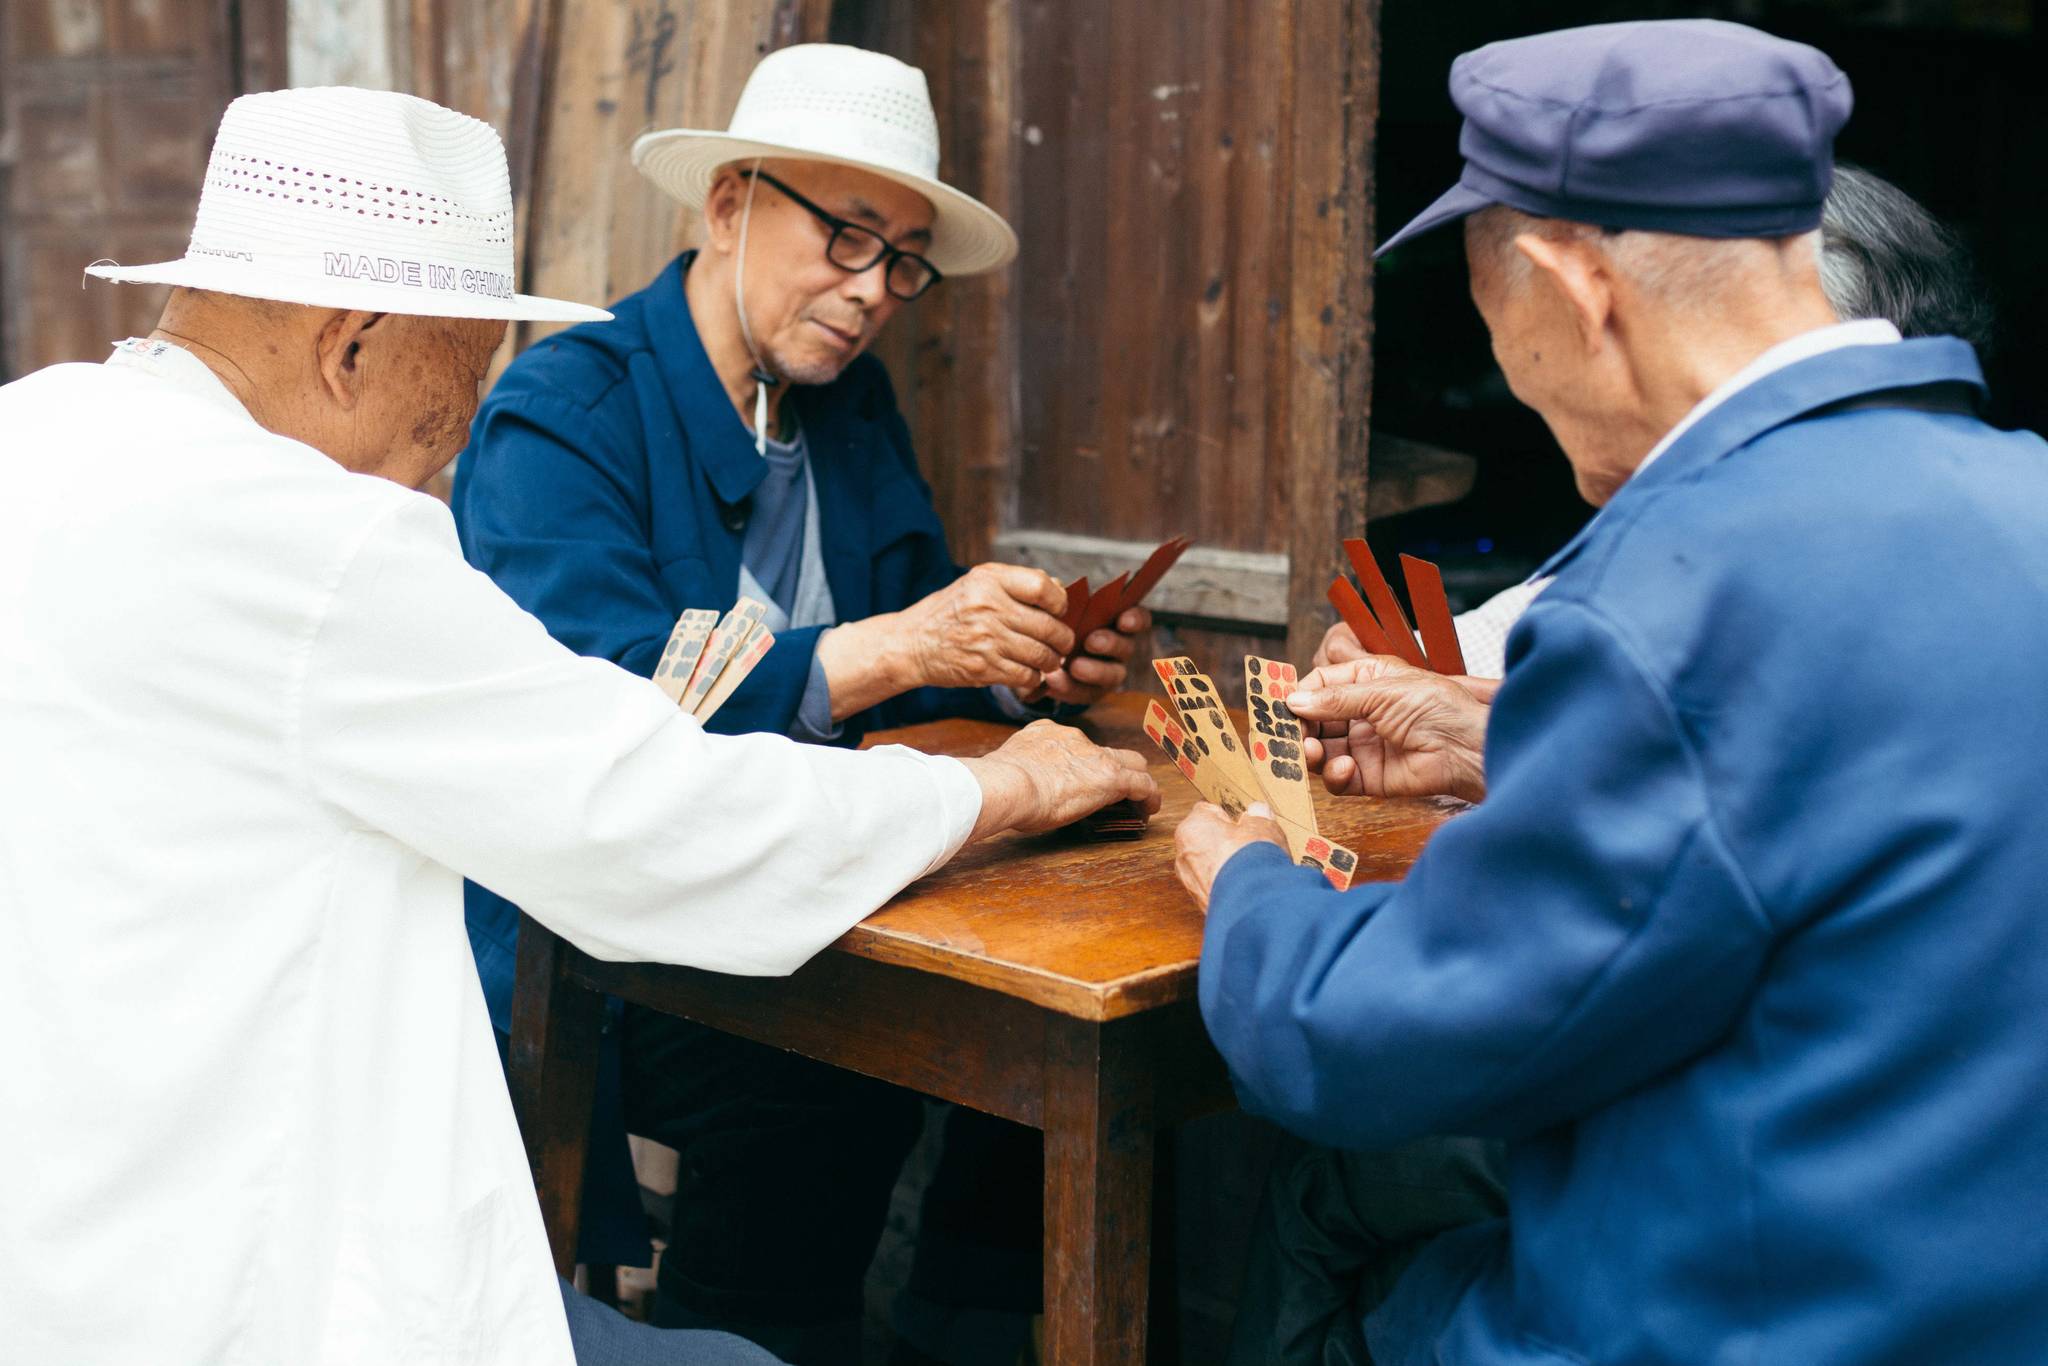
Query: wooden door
[[1183, 346]]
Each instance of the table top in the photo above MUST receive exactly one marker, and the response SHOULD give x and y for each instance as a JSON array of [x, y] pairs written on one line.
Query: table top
[[1092, 930]]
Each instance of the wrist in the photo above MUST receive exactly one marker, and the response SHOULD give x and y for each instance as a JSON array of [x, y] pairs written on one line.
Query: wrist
[[1005, 795], [865, 664]]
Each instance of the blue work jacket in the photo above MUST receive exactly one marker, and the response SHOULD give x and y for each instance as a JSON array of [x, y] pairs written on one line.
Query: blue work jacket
[[1746, 951]]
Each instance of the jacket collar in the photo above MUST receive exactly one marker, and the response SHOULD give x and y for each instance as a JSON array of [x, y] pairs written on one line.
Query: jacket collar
[[1781, 397], [720, 443]]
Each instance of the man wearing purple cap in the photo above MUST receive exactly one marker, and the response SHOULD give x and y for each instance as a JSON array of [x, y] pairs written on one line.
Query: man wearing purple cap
[[1741, 955]]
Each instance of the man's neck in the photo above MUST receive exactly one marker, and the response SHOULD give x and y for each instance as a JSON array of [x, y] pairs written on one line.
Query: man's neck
[[707, 290]]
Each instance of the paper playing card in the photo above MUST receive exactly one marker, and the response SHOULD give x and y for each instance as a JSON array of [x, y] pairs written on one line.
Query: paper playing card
[[735, 673], [1393, 621], [1275, 743], [1335, 861], [1344, 597], [685, 646], [1433, 615], [1151, 572], [1202, 716], [1077, 603], [1193, 763], [726, 639]]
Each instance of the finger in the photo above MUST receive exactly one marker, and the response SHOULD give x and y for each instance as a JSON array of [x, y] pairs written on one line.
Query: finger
[[1029, 651], [1040, 626], [1364, 669], [1340, 773], [1096, 673], [1107, 644], [1312, 752], [1135, 621], [1033, 587]]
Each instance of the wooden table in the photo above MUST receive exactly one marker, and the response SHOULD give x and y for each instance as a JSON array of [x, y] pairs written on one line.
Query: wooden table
[[1044, 979]]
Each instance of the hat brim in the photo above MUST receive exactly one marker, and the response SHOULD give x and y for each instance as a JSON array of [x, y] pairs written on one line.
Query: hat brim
[[968, 237], [227, 276], [1460, 201]]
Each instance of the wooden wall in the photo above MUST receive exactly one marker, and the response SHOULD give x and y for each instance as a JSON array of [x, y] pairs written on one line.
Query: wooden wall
[[1184, 346], [107, 109]]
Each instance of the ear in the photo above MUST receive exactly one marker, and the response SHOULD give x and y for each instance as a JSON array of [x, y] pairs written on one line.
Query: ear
[[722, 206], [1579, 276], [340, 345]]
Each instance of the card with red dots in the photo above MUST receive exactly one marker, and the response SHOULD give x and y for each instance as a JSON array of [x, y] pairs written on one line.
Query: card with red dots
[[1274, 739]]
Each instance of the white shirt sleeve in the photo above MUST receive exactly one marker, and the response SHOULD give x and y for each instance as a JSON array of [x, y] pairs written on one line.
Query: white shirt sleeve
[[433, 710]]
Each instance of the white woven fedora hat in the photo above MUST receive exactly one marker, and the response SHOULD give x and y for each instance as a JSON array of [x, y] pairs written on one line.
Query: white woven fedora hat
[[345, 198], [824, 102]]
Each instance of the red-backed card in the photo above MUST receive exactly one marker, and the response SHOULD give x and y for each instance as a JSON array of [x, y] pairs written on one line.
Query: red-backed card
[[1151, 572], [1077, 603], [1103, 608], [1358, 617], [1433, 615], [1385, 606]]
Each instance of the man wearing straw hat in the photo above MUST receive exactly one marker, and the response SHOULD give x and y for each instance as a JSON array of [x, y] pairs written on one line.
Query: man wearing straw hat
[[260, 719], [726, 436]]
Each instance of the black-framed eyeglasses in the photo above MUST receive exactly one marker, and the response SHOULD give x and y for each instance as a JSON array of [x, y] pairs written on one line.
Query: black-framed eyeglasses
[[854, 249]]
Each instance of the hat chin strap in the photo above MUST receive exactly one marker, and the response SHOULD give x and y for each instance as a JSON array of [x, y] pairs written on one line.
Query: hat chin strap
[[763, 378]]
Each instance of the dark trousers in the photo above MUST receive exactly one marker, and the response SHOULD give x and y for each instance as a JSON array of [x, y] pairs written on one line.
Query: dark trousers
[[1335, 1231], [783, 1184]]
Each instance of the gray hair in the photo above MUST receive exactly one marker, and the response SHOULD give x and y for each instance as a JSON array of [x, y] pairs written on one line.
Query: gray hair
[[1880, 256], [1884, 256]]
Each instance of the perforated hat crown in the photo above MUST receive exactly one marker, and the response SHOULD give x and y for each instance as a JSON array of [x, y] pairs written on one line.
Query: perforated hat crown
[[848, 106], [346, 198]]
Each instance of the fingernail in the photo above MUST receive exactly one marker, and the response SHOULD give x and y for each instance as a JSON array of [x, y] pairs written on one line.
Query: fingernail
[[1259, 809], [1300, 698]]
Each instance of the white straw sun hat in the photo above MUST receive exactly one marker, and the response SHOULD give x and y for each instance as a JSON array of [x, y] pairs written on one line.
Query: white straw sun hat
[[824, 102], [365, 199]]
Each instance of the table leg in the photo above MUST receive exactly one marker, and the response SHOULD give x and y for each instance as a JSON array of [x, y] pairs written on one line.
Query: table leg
[[555, 1028], [1099, 1137]]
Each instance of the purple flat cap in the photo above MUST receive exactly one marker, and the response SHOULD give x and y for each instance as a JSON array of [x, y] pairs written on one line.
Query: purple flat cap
[[1690, 126]]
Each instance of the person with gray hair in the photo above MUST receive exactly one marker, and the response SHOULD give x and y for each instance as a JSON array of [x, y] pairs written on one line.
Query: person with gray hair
[[1884, 256]]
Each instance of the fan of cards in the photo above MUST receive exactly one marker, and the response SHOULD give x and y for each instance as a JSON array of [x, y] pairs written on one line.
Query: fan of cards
[[1382, 628], [1088, 612], [1197, 735], [709, 656]]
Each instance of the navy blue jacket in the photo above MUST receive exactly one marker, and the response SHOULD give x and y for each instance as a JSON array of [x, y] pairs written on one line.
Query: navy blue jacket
[[1745, 953], [604, 488]]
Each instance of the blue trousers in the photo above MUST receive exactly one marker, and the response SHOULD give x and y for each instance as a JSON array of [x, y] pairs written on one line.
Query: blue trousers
[[602, 1336]]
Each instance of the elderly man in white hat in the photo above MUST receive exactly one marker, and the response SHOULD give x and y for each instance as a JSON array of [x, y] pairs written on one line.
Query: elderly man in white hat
[[260, 719], [727, 436]]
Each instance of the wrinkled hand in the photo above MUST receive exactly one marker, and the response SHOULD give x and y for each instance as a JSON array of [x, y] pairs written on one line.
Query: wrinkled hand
[[1100, 669], [1207, 839], [1377, 727], [997, 623], [1048, 775]]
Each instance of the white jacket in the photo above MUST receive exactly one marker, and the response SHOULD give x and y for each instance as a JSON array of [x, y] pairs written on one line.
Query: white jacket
[[257, 720]]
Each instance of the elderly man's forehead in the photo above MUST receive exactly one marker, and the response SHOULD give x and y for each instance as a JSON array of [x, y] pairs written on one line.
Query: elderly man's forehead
[[860, 196]]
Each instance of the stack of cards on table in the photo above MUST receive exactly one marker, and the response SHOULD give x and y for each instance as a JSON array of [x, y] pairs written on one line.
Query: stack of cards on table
[[1197, 735], [709, 656], [1382, 628], [1088, 612]]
